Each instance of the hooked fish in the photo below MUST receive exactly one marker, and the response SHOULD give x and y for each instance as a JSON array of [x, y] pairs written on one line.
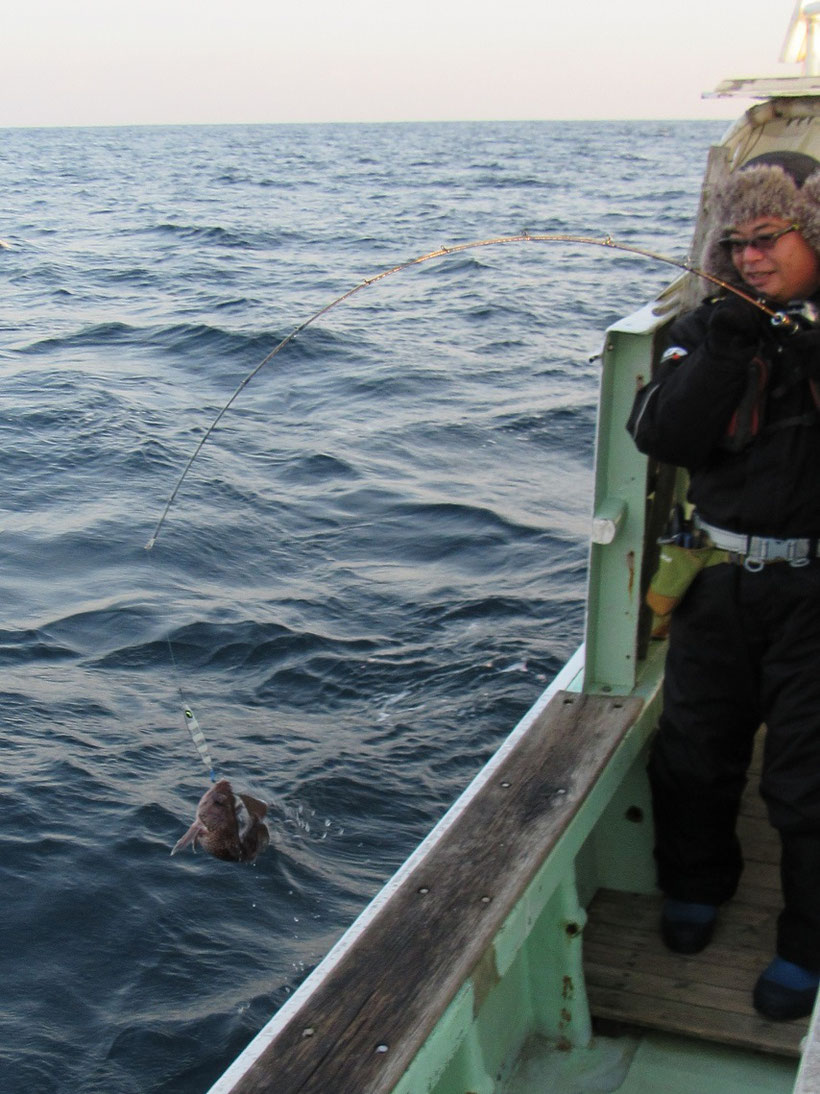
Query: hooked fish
[[229, 826]]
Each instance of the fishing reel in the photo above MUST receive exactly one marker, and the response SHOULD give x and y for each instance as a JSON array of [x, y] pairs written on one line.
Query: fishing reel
[[797, 315]]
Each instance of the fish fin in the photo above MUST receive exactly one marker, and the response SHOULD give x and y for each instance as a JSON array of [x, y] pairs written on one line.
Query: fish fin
[[190, 837], [254, 806], [255, 840]]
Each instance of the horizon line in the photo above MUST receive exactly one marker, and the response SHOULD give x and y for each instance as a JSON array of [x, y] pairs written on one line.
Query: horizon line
[[343, 121]]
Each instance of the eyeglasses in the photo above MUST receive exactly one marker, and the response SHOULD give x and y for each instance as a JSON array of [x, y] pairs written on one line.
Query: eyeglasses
[[764, 241]]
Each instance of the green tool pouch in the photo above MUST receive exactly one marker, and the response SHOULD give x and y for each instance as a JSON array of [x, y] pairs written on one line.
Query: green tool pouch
[[684, 553], [677, 569]]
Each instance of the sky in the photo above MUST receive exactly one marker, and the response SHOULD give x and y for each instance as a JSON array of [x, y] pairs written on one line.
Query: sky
[[121, 62]]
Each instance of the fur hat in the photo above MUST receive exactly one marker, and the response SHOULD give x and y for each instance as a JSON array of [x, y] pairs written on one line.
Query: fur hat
[[783, 185]]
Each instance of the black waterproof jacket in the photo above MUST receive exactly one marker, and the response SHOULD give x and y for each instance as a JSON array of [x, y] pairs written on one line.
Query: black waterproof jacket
[[765, 483]]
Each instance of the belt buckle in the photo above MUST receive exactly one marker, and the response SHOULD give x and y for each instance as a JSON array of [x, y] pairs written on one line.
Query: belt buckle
[[763, 549]]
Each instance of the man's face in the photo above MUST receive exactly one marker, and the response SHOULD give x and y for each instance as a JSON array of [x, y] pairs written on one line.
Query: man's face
[[782, 269]]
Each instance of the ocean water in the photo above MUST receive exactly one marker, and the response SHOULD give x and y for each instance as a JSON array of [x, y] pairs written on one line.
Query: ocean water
[[373, 568]]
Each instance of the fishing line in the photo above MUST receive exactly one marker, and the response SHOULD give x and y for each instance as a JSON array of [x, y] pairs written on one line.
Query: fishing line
[[778, 318]]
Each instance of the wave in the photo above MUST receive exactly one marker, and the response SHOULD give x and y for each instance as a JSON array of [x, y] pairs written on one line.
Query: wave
[[219, 236], [111, 333], [189, 341], [21, 647], [568, 428]]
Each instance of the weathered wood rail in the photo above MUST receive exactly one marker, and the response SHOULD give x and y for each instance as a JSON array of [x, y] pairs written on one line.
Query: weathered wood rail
[[366, 1020]]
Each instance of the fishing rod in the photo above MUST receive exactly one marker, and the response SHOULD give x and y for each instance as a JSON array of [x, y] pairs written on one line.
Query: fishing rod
[[778, 318]]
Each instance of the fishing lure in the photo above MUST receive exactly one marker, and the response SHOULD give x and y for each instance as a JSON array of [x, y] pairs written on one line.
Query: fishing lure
[[778, 318], [198, 738]]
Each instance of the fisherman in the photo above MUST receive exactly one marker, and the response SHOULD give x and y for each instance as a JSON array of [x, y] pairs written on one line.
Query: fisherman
[[735, 402]]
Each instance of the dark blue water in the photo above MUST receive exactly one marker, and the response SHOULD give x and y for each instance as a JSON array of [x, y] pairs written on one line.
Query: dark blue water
[[373, 569]]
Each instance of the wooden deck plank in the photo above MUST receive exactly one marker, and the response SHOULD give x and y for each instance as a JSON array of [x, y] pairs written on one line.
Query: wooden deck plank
[[705, 995], [633, 979], [364, 1023], [629, 957], [706, 1023]]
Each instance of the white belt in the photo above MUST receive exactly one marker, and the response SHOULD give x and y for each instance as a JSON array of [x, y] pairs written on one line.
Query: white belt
[[758, 550]]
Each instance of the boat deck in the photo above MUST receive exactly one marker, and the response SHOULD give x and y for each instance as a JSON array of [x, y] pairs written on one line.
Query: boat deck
[[633, 980]]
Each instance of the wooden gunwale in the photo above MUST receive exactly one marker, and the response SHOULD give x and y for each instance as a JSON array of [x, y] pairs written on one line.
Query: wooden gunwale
[[362, 1026]]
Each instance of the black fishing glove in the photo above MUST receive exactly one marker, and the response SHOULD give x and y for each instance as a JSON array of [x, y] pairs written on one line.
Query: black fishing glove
[[736, 327]]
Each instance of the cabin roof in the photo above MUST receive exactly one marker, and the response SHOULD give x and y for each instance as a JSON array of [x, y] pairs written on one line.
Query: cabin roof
[[766, 87]]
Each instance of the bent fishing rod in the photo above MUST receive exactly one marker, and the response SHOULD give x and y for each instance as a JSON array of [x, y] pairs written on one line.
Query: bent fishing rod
[[778, 318]]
